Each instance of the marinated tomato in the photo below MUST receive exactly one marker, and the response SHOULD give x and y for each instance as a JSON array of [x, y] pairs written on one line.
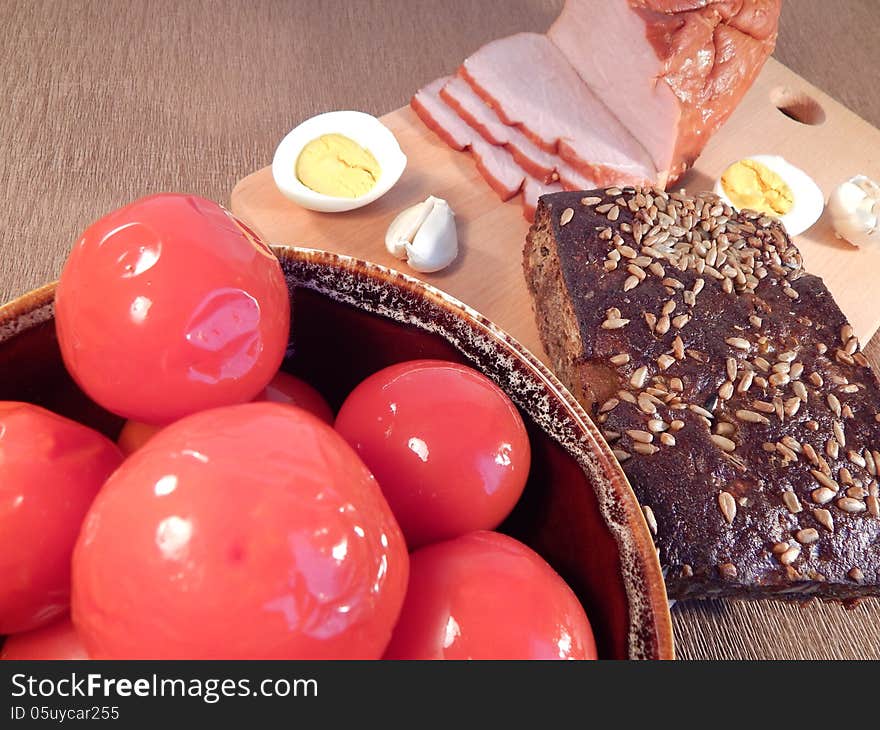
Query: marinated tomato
[[50, 470], [245, 532], [488, 596], [289, 389], [284, 388], [58, 640], [169, 306], [447, 445], [135, 434]]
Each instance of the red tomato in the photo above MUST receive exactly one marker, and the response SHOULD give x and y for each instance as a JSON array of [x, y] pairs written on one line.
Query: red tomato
[[448, 447], [58, 640], [245, 532], [288, 389], [488, 596], [135, 434], [169, 306], [50, 470], [284, 388]]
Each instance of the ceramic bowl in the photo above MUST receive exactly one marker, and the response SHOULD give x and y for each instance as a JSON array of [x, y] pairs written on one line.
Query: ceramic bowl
[[351, 318]]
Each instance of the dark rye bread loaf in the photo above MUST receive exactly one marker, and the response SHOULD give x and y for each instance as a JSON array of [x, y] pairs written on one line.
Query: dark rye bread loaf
[[727, 381]]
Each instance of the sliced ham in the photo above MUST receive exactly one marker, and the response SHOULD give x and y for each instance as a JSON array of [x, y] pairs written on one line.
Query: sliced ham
[[532, 190], [538, 163], [671, 70], [571, 179], [438, 117], [479, 115], [470, 106], [497, 167], [531, 85], [494, 162]]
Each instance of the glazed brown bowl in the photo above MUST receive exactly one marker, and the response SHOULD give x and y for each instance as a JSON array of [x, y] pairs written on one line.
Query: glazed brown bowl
[[351, 318]]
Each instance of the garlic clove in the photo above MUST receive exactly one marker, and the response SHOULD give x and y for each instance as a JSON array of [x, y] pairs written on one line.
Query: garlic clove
[[435, 245], [854, 207], [405, 226], [425, 235]]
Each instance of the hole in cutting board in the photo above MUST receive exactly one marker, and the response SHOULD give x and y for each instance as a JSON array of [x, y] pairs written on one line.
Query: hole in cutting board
[[797, 105]]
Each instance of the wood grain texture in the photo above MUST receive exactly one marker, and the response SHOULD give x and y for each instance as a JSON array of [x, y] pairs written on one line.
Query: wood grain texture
[[488, 273], [490, 231], [107, 100], [834, 46]]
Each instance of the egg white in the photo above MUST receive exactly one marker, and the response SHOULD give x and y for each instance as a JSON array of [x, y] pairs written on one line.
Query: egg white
[[808, 199], [362, 128]]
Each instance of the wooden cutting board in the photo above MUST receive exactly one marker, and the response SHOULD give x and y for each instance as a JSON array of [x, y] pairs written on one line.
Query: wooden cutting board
[[488, 274]]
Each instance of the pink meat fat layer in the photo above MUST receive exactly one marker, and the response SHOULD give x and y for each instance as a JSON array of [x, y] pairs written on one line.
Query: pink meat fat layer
[[531, 85], [497, 167], [479, 115], [458, 94], [648, 109], [532, 190], [686, 65], [495, 163], [543, 166], [432, 110]]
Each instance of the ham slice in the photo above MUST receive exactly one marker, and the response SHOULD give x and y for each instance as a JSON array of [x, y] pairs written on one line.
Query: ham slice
[[439, 118], [571, 179], [470, 106], [532, 190], [479, 115], [497, 167], [494, 162], [531, 85], [538, 163], [671, 70]]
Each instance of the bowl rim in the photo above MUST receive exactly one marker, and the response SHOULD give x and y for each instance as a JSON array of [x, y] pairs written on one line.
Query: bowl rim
[[27, 311], [37, 306], [642, 554]]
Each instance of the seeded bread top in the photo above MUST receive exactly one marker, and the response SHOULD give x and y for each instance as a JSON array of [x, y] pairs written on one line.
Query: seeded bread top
[[739, 404]]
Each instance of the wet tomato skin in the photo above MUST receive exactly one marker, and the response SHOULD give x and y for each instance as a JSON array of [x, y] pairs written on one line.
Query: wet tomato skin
[[447, 445], [169, 306], [487, 596], [244, 532], [283, 388], [135, 434], [50, 470], [286, 388], [58, 640]]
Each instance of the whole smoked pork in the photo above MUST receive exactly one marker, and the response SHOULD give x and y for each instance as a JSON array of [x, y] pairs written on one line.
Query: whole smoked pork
[[671, 70]]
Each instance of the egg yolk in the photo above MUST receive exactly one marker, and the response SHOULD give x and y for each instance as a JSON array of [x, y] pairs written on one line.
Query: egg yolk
[[749, 184], [335, 165]]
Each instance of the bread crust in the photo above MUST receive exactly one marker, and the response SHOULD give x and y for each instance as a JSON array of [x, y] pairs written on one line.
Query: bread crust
[[728, 382]]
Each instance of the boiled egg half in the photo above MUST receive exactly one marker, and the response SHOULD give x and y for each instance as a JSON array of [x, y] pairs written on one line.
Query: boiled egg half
[[337, 161], [772, 186]]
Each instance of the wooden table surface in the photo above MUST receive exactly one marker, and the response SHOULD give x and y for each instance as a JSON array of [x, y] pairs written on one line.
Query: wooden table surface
[[107, 100]]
